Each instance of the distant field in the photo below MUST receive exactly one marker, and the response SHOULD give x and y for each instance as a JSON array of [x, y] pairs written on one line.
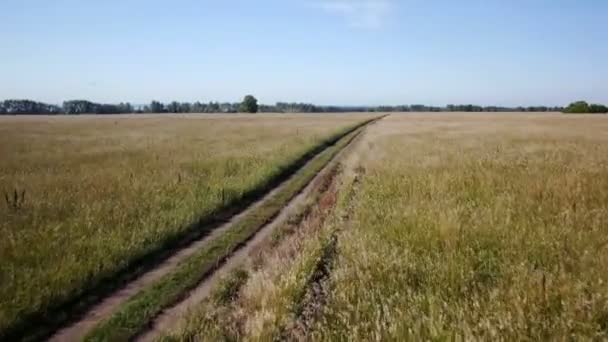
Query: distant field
[[472, 226], [84, 195]]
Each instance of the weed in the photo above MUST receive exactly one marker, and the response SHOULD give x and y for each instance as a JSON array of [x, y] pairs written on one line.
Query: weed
[[16, 201]]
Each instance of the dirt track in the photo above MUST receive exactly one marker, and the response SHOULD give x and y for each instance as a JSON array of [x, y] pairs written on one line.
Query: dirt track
[[102, 310], [171, 316]]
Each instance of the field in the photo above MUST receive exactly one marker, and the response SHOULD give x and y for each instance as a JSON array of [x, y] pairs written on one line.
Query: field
[[86, 196], [441, 226], [477, 226], [418, 226]]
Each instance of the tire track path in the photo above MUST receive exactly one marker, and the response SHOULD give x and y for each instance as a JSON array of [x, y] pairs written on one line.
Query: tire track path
[[99, 312], [171, 316]]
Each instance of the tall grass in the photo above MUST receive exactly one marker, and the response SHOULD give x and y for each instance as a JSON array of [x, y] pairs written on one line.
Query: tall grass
[[271, 302], [476, 227], [100, 191], [138, 312]]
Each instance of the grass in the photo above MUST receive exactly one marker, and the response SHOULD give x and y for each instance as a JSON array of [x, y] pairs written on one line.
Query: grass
[[134, 315], [96, 196], [270, 303], [449, 227], [475, 227], [228, 288]]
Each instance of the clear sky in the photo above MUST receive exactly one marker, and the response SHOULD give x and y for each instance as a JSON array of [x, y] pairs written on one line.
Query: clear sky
[[345, 52]]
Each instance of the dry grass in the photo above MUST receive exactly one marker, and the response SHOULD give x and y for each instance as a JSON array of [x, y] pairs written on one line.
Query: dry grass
[[450, 226], [266, 303], [139, 311], [100, 190], [476, 227], [456, 226]]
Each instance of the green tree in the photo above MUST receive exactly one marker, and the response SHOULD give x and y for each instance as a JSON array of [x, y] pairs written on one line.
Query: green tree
[[249, 105], [173, 107], [155, 107], [577, 107], [598, 108]]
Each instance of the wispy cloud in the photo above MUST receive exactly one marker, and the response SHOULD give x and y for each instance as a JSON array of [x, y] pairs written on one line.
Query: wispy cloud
[[369, 14]]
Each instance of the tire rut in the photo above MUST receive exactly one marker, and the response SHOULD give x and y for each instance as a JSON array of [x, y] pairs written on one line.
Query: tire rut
[[77, 330], [171, 316]]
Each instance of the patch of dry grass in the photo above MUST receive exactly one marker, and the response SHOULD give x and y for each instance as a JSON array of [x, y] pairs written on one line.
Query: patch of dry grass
[[139, 311], [476, 227], [268, 302], [101, 190]]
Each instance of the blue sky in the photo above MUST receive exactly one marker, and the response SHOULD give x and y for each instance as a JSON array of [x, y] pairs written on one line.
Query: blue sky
[[347, 52]]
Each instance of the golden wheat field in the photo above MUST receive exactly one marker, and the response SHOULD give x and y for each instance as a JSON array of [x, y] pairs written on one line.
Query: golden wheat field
[[444, 226], [83, 196]]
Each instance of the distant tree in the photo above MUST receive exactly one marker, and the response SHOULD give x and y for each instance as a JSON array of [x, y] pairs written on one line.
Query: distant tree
[[598, 108], [227, 107], [87, 107], [185, 107], [125, 107], [418, 108], [155, 107], [249, 104], [268, 109], [213, 107], [197, 107], [577, 107], [74, 107], [584, 107], [173, 107], [15, 107]]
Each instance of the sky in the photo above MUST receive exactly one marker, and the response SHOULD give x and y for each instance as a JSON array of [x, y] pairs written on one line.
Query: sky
[[340, 52]]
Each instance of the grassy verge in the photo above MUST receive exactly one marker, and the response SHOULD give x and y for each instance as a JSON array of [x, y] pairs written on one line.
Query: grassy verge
[[270, 315], [284, 290], [143, 307]]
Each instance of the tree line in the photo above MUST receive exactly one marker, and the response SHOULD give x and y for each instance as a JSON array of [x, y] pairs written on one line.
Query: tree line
[[250, 105], [582, 107]]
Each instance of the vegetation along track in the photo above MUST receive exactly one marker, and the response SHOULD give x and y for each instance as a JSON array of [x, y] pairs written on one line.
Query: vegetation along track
[[182, 268], [314, 179], [279, 292]]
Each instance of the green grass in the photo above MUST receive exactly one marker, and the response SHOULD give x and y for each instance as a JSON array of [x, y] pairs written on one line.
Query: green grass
[[105, 196], [228, 288], [134, 315]]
